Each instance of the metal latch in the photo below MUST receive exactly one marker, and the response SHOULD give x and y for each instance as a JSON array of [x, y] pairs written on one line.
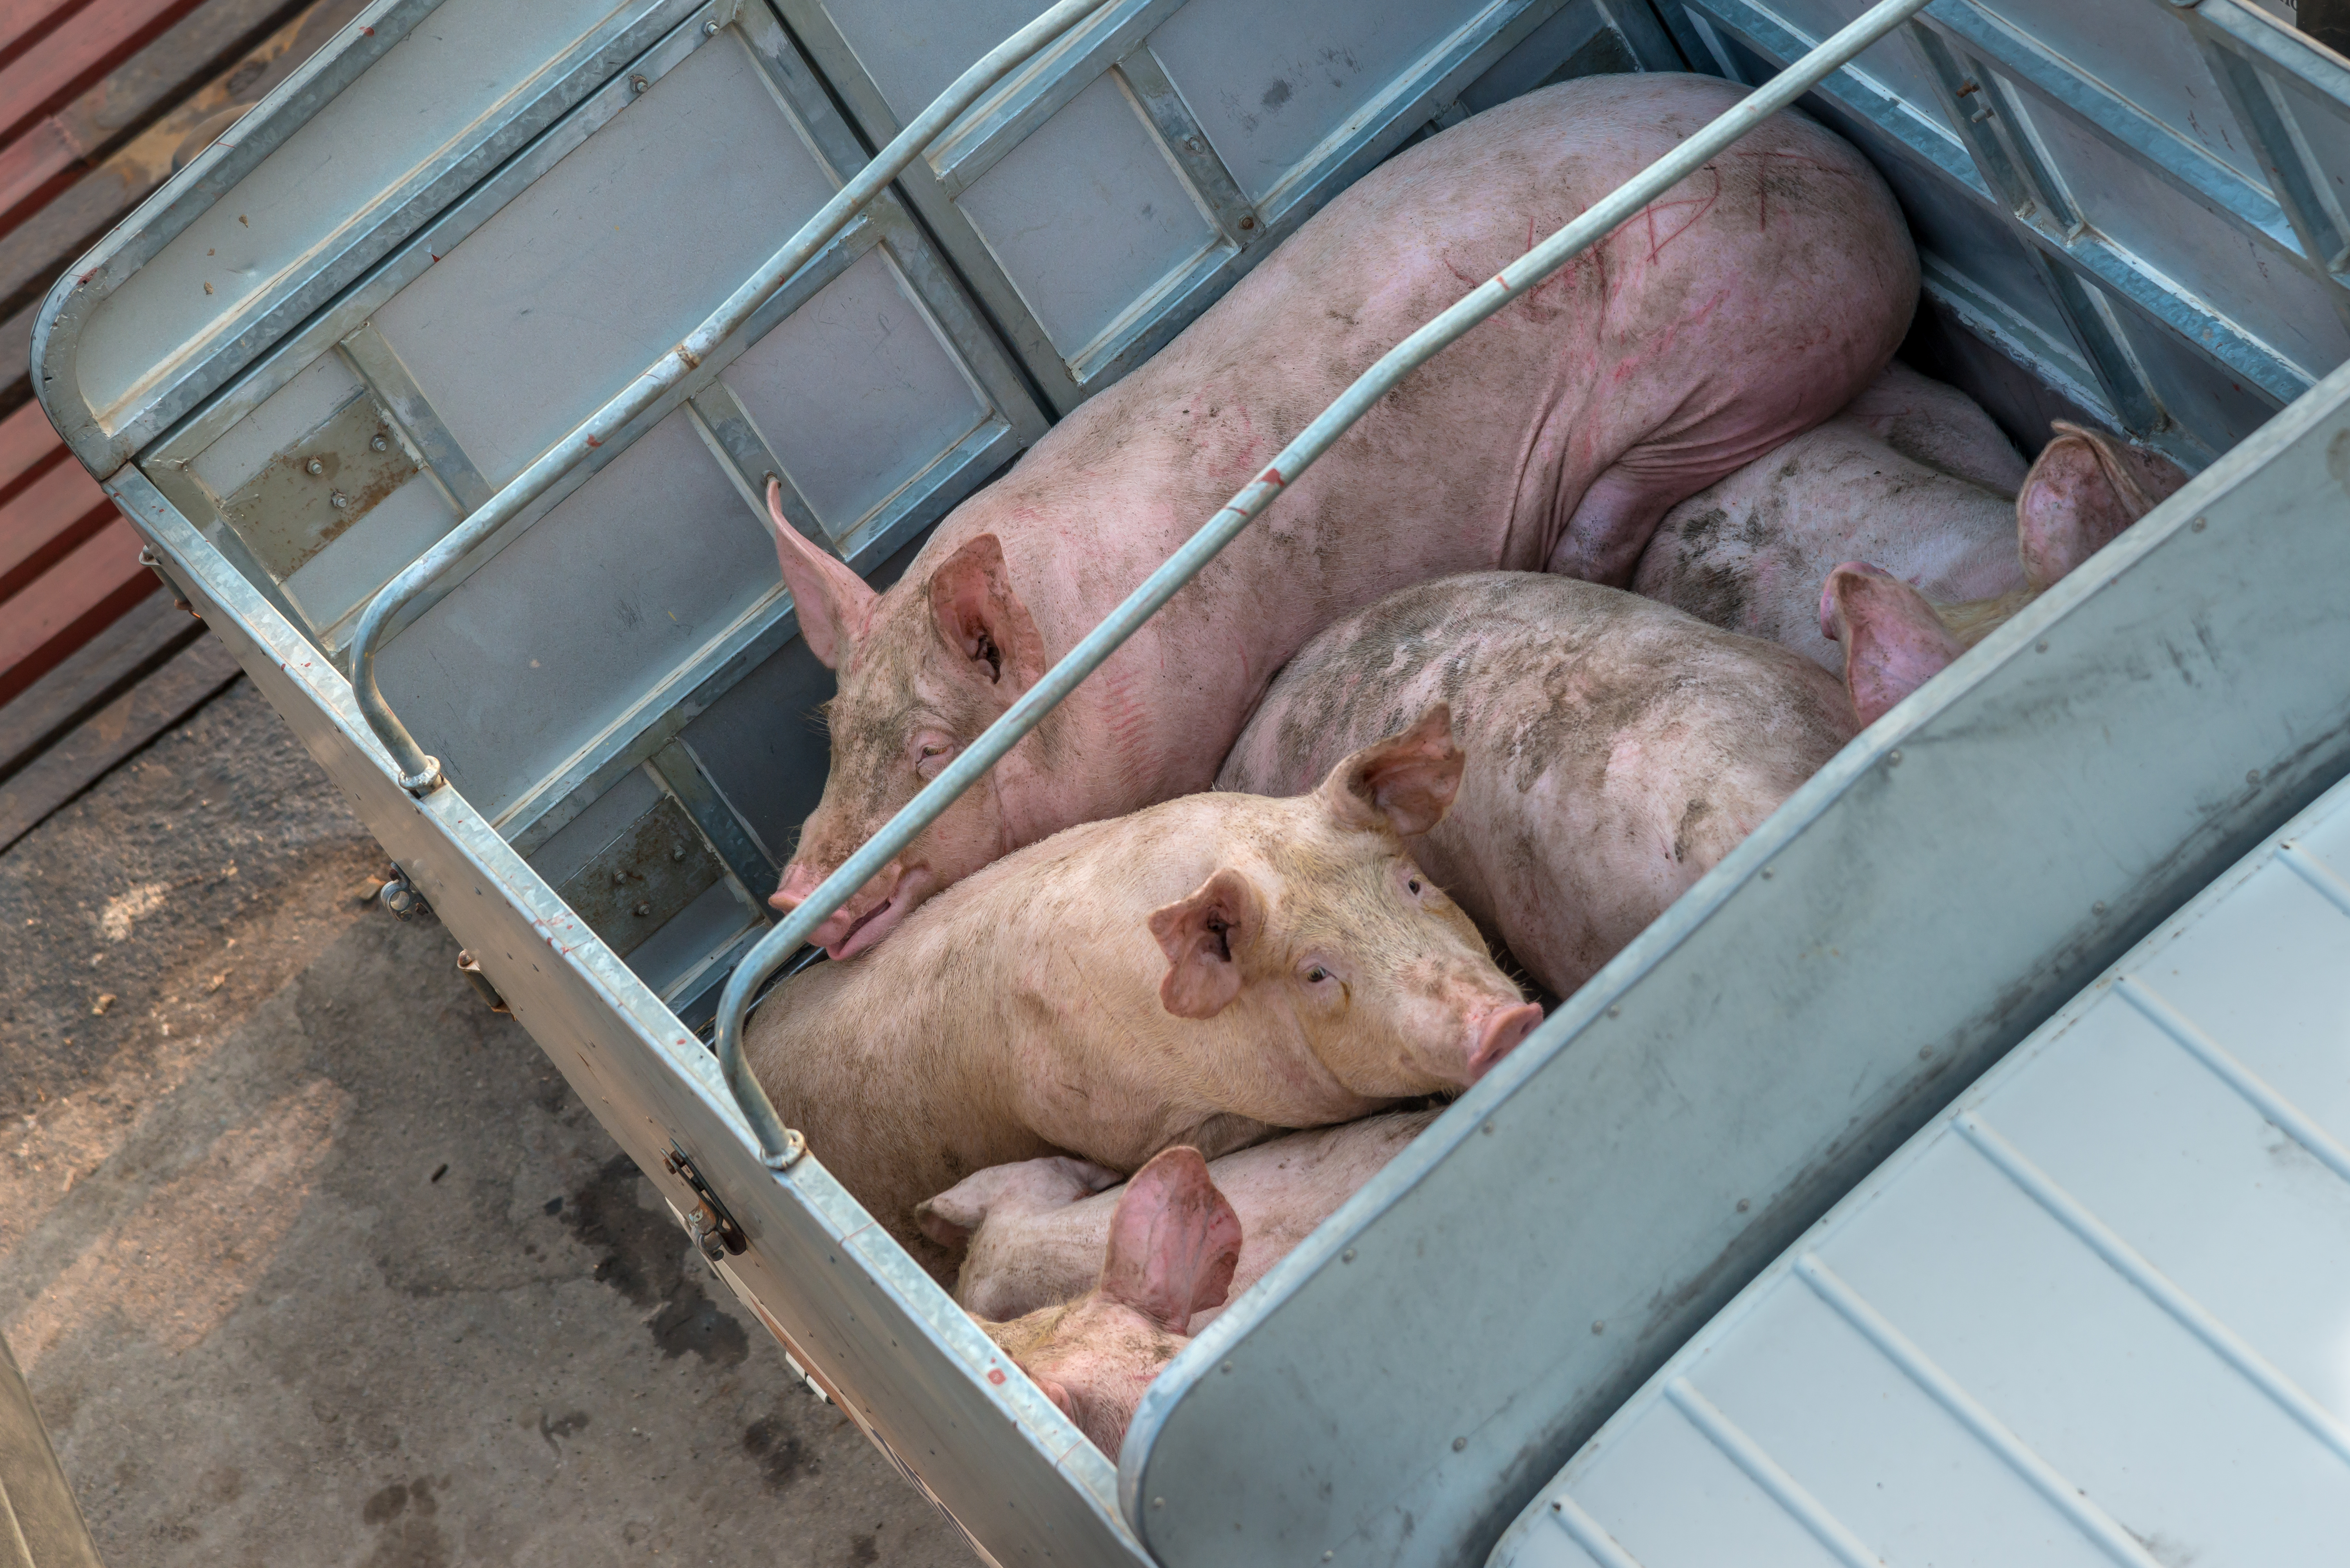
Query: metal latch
[[714, 1230], [470, 968]]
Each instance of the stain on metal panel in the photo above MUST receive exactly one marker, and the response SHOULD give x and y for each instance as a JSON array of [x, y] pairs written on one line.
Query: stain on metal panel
[[304, 498]]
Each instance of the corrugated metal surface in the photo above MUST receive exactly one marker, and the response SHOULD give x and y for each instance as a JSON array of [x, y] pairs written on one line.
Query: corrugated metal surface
[[2099, 1311]]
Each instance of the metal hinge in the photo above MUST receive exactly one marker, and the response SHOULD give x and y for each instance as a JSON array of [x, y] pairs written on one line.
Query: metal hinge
[[715, 1234]]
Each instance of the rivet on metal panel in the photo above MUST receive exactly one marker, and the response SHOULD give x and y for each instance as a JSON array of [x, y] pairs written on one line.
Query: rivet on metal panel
[[1159, 1502], [2098, 907], [639, 83], [1458, 1444], [2040, 647], [1348, 1256], [1744, 1204], [1766, 873], [2253, 777], [1226, 1368], [1893, 758], [1487, 1129], [1247, 222], [1599, 1325], [1615, 1011], [2198, 524]]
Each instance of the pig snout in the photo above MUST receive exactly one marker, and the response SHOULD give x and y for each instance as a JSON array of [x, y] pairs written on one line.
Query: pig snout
[[1497, 1033], [871, 914]]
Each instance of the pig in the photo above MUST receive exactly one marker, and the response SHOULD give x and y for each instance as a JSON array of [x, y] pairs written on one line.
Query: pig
[[1617, 748], [1915, 480], [1172, 1245], [1748, 303], [1199, 972], [1034, 1234]]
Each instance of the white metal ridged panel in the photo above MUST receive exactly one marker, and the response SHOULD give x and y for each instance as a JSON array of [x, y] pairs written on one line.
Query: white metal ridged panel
[[2097, 1312]]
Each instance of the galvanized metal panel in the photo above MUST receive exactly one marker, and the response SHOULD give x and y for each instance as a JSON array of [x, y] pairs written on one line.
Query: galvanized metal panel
[[911, 1369], [1967, 864], [538, 652], [2093, 1312]]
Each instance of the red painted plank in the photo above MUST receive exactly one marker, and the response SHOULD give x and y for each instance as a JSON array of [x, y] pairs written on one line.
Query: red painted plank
[[32, 164], [52, 515], [21, 18], [26, 443], [78, 52], [70, 604]]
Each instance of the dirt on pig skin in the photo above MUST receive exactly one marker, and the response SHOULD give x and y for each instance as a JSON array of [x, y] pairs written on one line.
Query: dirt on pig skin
[[309, 1259]]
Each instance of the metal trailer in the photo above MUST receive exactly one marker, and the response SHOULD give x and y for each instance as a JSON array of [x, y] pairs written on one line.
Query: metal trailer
[[409, 273]]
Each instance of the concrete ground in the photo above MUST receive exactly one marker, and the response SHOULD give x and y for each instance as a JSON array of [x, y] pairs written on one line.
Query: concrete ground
[[309, 1259]]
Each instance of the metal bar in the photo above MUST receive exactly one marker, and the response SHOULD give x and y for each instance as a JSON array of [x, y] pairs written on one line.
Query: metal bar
[[682, 773], [1227, 205], [1994, 1434], [420, 775], [1590, 1534], [378, 365], [2131, 1264], [1765, 1472], [729, 430], [2303, 191], [779, 1145], [2290, 1118]]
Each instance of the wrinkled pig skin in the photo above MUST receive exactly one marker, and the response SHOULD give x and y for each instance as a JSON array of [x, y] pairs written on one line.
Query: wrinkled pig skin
[[1617, 748], [1033, 1235], [1199, 972], [1915, 480], [1748, 303], [1172, 1246]]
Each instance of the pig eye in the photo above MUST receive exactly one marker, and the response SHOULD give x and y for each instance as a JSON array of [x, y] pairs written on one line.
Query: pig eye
[[1413, 884], [1316, 975]]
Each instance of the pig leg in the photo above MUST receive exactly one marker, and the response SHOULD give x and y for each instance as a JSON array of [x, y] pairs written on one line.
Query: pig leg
[[2084, 488], [1893, 640], [1612, 524]]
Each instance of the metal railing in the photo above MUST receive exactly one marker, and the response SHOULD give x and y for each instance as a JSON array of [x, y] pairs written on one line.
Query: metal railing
[[779, 1145], [420, 775]]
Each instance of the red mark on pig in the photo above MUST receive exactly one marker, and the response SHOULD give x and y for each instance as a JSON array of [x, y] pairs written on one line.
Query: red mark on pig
[[1704, 204]]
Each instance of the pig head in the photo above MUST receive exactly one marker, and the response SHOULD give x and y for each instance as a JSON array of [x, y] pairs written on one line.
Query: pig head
[[924, 668], [1350, 948], [1174, 1242]]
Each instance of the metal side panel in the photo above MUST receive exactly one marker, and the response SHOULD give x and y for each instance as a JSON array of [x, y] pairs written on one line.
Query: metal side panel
[[1397, 1389], [849, 1307], [1105, 194], [2094, 1313]]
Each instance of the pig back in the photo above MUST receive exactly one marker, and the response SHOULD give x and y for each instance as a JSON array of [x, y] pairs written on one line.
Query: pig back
[[1617, 749]]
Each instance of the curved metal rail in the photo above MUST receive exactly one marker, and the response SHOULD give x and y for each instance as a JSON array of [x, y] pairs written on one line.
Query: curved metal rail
[[779, 1145], [420, 775]]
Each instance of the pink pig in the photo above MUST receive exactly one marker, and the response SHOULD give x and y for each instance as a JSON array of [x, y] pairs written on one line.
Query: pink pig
[[1617, 749], [1201, 972], [1914, 488], [1173, 1242], [1034, 1234], [1746, 304]]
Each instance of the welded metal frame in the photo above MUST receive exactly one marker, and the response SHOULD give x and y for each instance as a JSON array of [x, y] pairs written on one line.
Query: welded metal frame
[[1115, 44], [1987, 149]]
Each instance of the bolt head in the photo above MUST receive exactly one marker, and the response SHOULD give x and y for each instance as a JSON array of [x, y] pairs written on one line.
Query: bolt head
[[1249, 222], [339, 500], [644, 908], [378, 442], [710, 28], [314, 466], [639, 83], [676, 852]]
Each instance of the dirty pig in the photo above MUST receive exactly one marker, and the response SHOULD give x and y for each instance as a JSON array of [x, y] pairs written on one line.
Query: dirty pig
[[1747, 303], [1915, 480], [1617, 748], [1034, 1234], [1199, 972]]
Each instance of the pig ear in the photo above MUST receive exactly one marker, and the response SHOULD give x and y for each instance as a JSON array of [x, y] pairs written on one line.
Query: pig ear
[[952, 1218], [1406, 782], [2084, 488], [834, 606], [980, 618], [1202, 936], [1893, 640], [1173, 1242]]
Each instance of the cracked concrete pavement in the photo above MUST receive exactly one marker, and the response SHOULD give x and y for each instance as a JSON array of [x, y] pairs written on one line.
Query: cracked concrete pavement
[[309, 1259]]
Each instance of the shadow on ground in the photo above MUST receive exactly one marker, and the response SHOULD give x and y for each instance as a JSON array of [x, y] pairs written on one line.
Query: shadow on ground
[[309, 1259]]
